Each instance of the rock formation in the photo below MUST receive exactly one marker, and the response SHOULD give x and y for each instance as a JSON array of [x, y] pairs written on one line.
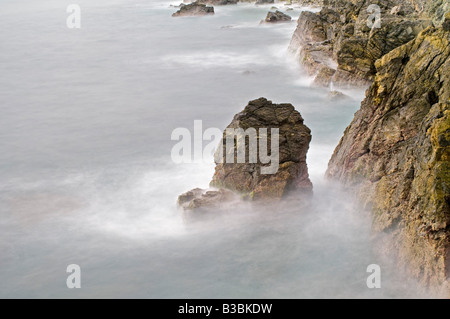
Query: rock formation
[[247, 179], [218, 2], [193, 9], [396, 154], [339, 39], [277, 16]]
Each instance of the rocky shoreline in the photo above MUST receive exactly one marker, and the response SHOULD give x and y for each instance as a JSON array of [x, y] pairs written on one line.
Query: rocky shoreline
[[395, 155]]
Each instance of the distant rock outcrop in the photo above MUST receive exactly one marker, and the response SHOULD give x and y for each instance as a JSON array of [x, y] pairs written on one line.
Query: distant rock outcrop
[[277, 16], [264, 1], [253, 180], [339, 37], [193, 9], [396, 154], [218, 2]]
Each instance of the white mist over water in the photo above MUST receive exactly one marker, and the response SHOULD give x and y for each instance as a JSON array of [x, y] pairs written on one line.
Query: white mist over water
[[85, 169]]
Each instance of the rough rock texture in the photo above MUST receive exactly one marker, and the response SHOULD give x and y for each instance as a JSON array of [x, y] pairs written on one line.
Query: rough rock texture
[[277, 16], [396, 154], [324, 77], [338, 37], [193, 9], [446, 24], [294, 142], [246, 180]]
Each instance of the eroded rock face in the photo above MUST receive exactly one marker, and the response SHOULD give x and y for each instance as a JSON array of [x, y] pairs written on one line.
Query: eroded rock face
[[247, 180], [339, 37], [396, 154], [294, 139], [193, 9]]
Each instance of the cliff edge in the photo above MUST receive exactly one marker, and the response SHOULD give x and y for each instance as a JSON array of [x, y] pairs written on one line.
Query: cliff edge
[[396, 154]]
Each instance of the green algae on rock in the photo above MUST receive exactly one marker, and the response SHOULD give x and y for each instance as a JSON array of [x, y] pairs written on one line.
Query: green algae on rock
[[339, 37]]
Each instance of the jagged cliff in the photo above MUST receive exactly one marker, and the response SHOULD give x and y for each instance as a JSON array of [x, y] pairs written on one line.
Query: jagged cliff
[[396, 154], [341, 43]]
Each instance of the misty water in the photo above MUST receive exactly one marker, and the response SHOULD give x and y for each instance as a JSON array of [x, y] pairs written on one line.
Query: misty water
[[86, 175]]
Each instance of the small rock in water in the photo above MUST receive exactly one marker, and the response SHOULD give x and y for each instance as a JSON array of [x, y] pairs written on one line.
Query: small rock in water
[[337, 96], [277, 16], [193, 9]]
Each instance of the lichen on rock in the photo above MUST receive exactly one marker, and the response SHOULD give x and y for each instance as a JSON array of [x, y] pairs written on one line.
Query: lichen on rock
[[396, 153], [339, 37]]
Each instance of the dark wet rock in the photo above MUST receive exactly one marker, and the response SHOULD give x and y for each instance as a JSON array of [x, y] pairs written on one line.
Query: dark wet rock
[[277, 16], [194, 9], [294, 137]]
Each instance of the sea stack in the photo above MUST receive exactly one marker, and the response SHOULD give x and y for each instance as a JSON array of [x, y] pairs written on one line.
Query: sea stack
[[258, 181]]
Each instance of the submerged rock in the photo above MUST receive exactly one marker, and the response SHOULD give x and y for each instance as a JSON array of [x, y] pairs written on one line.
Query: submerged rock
[[203, 198], [193, 9], [396, 154], [283, 173], [337, 96]]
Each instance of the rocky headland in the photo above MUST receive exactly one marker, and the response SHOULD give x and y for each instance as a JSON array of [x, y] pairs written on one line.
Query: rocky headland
[[341, 43], [396, 154]]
